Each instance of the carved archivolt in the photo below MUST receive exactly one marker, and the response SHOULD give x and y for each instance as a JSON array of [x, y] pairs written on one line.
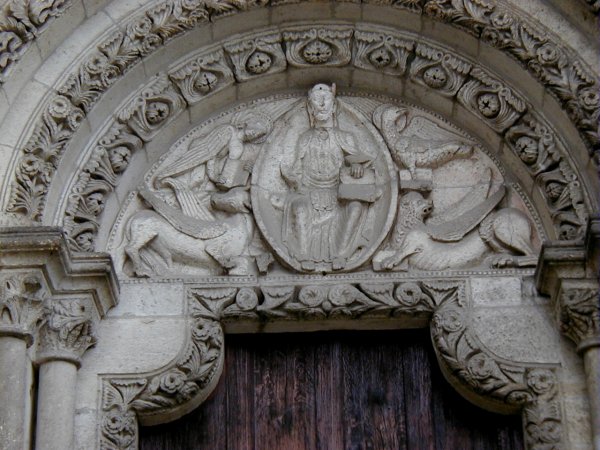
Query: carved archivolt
[[530, 137], [557, 68], [489, 381]]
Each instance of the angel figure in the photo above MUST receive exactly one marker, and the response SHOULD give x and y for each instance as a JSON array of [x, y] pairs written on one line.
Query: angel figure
[[212, 228], [417, 142]]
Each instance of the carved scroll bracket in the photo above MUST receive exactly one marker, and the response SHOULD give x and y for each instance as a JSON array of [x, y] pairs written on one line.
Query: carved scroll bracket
[[482, 377]]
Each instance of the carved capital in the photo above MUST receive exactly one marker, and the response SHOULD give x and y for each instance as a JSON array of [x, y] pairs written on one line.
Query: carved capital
[[67, 331], [21, 305], [568, 273], [577, 312]]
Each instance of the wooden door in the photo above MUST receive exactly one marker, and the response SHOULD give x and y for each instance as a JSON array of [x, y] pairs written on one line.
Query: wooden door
[[335, 390]]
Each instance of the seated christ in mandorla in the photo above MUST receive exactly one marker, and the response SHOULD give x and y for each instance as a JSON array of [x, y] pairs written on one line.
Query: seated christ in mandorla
[[320, 224]]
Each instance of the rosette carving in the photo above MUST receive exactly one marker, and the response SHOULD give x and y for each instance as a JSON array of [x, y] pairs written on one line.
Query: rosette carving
[[202, 76], [155, 106], [318, 46], [257, 56], [190, 379], [381, 52], [438, 70], [496, 104]]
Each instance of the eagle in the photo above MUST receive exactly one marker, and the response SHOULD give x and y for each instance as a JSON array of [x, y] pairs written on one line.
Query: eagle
[[416, 141]]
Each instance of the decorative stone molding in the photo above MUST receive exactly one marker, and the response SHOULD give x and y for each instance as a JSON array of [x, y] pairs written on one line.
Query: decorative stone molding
[[530, 388], [41, 268], [66, 332], [531, 138], [175, 390], [569, 275], [443, 71], [22, 299], [21, 22], [203, 75], [491, 100], [253, 57], [478, 374], [558, 69]]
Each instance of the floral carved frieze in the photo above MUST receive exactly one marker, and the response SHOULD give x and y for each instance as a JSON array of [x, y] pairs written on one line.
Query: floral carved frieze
[[206, 73], [541, 53], [444, 304]]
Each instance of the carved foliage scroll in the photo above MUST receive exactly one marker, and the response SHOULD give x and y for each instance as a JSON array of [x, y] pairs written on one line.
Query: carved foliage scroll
[[434, 67], [532, 389], [190, 378]]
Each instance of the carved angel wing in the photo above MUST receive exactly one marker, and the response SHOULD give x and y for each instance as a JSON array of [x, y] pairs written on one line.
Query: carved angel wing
[[200, 151]]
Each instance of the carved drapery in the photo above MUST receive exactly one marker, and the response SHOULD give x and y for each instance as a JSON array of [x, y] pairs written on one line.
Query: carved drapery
[[444, 304]]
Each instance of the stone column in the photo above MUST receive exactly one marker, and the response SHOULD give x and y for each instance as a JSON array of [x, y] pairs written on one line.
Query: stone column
[[21, 306], [578, 313], [65, 335], [569, 274]]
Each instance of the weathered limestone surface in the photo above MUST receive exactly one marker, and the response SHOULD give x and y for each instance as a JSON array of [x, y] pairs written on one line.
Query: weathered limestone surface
[[262, 167]]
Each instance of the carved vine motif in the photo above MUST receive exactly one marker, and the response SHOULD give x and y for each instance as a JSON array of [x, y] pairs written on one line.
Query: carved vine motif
[[578, 313], [562, 73], [532, 389], [205, 74], [192, 375], [21, 22]]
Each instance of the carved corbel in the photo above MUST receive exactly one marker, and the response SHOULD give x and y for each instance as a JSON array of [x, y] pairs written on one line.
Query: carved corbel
[[568, 273]]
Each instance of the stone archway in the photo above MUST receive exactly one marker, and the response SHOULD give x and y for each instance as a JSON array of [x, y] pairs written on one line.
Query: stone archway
[[95, 122]]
